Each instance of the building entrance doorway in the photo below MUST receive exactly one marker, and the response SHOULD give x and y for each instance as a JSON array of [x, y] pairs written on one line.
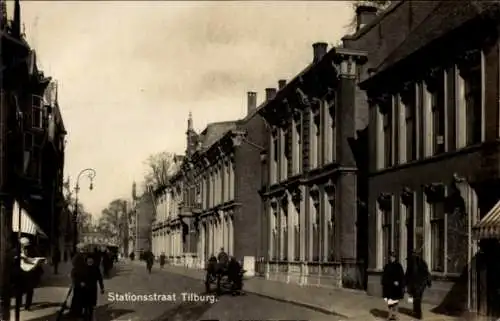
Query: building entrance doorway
[[489, 278]]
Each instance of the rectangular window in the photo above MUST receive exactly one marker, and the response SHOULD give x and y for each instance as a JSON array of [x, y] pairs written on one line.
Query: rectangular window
[[387, 127], [276, 148], [473, 92], [437, 92], [288, 150], [315, 234], [284, 227], [386, 234], [331, 231], [410, 227], [37, 115], [411, 128], [275, 237], [299, 147], [296, 237], [438, 233]]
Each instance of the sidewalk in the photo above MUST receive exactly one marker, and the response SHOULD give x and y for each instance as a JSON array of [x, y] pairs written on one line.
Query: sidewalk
[[49, 295], [352, 305]]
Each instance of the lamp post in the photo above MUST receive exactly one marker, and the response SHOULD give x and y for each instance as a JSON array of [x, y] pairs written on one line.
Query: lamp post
[[91, 173]]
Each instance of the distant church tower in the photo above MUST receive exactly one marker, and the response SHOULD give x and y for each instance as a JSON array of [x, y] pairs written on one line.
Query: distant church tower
[[191, 137]]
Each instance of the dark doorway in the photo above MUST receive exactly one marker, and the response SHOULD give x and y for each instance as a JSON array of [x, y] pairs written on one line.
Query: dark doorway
[[489, 277]]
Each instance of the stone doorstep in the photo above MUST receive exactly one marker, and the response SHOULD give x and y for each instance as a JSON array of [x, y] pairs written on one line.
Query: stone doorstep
[[345, 302]]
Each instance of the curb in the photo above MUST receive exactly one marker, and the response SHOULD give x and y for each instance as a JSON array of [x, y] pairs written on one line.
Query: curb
[[309, 306]]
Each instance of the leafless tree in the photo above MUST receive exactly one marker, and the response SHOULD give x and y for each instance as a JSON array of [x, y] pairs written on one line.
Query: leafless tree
[[84, 218], [158, 169]]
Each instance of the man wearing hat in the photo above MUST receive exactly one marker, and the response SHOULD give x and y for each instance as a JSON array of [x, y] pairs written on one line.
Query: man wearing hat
[[418, 278], [77, 274], [30, 272]]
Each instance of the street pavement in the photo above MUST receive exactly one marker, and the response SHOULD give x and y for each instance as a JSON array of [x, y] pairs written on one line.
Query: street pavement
[[264, 300], [133, 279]]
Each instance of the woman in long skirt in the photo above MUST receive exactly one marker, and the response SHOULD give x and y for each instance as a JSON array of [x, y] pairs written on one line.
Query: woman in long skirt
[[392, 285]]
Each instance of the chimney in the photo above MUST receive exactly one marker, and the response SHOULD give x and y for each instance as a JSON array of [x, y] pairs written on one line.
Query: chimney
[[281, 84], [16, 23], [319, 50], [365, 15], [270, 93], [251, 101]]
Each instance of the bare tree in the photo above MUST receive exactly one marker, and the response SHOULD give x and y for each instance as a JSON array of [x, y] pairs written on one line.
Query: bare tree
[[158, 169], [84, 218]]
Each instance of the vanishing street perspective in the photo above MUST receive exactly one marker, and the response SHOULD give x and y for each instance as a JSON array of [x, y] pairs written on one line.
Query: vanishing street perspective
[[143, 177]]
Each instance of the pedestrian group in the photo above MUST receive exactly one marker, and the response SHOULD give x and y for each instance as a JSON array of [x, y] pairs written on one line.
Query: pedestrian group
[[394, 282]]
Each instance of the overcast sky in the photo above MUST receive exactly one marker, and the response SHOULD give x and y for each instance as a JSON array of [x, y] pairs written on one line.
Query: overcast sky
[[130, 72]]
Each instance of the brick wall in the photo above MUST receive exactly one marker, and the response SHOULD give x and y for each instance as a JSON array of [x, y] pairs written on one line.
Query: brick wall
[[247, 221]]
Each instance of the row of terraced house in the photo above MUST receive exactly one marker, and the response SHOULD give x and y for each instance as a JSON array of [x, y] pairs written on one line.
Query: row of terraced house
[[387, 143]]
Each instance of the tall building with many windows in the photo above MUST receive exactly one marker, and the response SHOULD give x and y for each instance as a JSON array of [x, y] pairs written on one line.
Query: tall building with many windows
[[434, 132], [315, 192], [212, 200]]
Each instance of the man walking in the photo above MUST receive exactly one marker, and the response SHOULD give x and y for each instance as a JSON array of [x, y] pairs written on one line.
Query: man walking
[[418, 278], [77, 274], [162, 259], [149, 258]]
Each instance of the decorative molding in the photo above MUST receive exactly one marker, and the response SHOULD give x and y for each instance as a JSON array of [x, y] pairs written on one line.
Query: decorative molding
[[379, 100], [385, 201], [297, 115], [274, 203], [458, 179], [468, 57], [274, 131], [303, 98], [432, 78], [297, 196], [435, 191], [314, 193], [407, 93], [407, 196], [330, 190]]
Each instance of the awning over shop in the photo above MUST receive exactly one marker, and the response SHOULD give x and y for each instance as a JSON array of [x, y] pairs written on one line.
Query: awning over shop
[[27, 224], [489, 226]]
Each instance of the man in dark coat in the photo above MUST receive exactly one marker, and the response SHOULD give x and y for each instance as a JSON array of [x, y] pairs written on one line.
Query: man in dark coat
[[107, 263], [235, 275], [77, 272], [393, 285], [89, 281], [149, 258], [418, 278], [163, 259]]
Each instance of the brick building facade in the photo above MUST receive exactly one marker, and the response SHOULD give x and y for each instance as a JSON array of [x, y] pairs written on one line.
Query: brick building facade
[[315, 190], [432, 82]]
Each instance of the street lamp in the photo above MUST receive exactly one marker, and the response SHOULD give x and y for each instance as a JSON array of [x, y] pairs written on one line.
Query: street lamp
[[91, 173]]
